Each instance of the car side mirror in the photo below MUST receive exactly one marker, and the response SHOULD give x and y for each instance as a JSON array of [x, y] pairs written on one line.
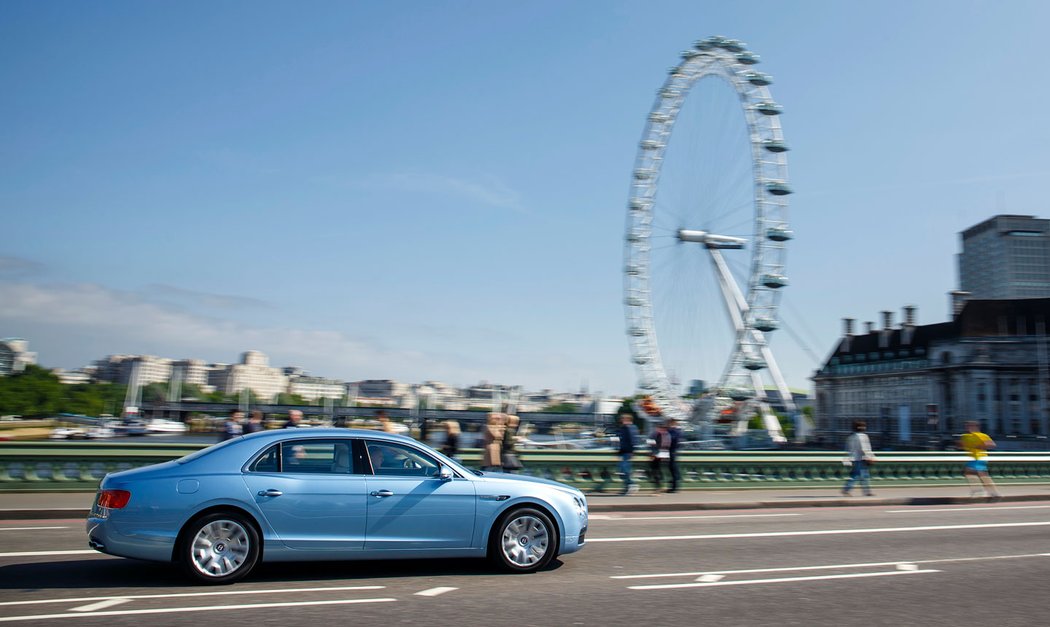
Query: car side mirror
[[444, 473]]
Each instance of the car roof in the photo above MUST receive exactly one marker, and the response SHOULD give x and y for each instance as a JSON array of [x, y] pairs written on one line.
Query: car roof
[[300, 433]]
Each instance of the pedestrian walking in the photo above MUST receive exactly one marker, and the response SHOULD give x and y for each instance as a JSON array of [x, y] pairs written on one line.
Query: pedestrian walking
[[295, 417], [234, 425], [664, 449], [255, 422], [977, 444], [509, 455], [627, 434], [858, 457], [451, 447], [384, 423], [492, 443]]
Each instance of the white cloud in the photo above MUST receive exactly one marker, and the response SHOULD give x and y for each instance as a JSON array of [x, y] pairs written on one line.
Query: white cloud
[[59, 318], [71, 325], [490, 191], [12, 267]]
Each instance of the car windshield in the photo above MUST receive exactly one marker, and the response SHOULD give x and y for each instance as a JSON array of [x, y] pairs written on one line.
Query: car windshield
[[205, 451]]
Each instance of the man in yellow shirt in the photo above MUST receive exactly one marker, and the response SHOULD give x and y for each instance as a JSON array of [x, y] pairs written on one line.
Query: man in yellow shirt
[[977, 444]]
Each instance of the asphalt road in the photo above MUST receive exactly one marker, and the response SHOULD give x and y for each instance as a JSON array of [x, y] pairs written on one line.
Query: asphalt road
[[981, 564]]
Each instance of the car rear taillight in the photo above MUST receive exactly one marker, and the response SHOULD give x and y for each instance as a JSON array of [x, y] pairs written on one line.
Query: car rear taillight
[[113, 499]]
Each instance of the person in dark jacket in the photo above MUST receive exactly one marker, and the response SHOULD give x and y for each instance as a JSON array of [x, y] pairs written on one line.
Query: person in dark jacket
[[666, 438], [451, 447], [628, 436]]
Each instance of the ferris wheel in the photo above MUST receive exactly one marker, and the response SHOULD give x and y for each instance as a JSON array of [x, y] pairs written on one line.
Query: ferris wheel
[[706, 234]]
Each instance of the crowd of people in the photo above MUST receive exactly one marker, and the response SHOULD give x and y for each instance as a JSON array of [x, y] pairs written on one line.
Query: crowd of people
[[499, 448], [663, 453]]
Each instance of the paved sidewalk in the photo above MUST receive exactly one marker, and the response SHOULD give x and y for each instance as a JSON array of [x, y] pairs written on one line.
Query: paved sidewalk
[[40, 505]]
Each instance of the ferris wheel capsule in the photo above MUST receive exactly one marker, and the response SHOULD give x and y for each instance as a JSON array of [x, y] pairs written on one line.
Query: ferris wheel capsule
[[758, 79], [740, 394], [774, 281], [751, 362], [748, 58], [778, 188], [766, 324], [775, 145], [768, 107], [779, 233]]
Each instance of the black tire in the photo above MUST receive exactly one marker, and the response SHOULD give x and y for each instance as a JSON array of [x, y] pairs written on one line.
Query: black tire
[[523, 541], [219, 548]]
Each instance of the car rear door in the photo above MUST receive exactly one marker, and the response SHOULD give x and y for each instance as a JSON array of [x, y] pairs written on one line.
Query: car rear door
[[312, 493]]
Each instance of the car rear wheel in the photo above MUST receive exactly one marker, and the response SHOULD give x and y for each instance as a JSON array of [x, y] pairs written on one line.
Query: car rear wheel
[[220, 548], [524, 541]]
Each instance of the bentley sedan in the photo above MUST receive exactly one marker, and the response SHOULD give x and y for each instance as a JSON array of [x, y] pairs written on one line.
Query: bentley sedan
[[329, 494]]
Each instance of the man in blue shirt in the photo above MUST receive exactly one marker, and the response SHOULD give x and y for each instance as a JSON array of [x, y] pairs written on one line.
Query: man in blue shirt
[[628, 435]]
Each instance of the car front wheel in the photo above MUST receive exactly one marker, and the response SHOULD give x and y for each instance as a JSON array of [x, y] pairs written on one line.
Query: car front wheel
[[524, 541], [220, 548]]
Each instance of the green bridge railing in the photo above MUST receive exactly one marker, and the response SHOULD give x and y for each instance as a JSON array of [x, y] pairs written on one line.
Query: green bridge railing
[[76, 466]]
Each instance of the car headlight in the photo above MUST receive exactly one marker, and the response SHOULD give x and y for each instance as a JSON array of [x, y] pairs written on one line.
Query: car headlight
[[581, 505]]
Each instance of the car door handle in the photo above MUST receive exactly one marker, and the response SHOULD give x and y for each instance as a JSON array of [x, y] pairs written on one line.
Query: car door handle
[[382, 493], [270, 492]]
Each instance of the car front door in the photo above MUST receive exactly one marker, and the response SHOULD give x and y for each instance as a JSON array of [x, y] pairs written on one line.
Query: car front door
[[310, 494], [410, 506]]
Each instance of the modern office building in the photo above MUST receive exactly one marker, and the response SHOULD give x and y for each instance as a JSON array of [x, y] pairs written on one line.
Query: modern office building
[[1007, 256], [253, 373], [14, 356], [917, 384]]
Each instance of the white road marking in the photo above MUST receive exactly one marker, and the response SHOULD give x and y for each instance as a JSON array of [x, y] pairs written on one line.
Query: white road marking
[[433, 592], [907, 567], [176, 595], [710, 578], [828, 566], [29, 528], [38, 553], [101, 605], [749, 582], [819, 532], [208, 608], [966, 509], [630, 518]]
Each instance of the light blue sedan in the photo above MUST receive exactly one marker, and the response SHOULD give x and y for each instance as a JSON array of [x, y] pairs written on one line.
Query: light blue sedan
[[329, 494]]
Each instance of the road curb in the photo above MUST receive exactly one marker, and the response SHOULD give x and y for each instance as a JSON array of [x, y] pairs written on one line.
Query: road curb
[[656, 505]]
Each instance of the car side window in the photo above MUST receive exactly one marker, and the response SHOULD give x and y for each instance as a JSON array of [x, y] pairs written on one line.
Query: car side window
[[268, 461], [316, 457], [399, 460]]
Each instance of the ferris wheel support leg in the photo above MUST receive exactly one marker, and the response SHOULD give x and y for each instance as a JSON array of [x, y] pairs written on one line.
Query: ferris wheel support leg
[[778, 379], [734, 299]]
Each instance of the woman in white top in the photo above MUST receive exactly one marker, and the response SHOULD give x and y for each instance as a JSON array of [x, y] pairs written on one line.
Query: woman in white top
[[859, 457]]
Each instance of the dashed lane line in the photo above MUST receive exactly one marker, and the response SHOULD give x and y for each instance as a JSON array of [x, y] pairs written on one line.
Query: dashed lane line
[[39, 553], [101, 605], [433, 592], [178, 610], [183, 595], [29, 528], [749, 582], [784, 569]]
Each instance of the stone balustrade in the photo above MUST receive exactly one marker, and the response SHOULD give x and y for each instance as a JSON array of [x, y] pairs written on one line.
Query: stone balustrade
[[75, 466]]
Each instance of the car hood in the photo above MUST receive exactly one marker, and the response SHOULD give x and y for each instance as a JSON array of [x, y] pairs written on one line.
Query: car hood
[[504, 476]]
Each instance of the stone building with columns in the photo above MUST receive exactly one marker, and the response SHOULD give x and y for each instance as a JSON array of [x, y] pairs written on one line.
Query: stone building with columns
[[916, 384]]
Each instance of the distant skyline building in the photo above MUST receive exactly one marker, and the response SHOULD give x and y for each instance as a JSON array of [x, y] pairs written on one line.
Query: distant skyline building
[[1006, 256], [14, 356]]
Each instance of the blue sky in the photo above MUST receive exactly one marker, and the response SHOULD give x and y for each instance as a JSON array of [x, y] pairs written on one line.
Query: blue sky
[[437, 190]]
